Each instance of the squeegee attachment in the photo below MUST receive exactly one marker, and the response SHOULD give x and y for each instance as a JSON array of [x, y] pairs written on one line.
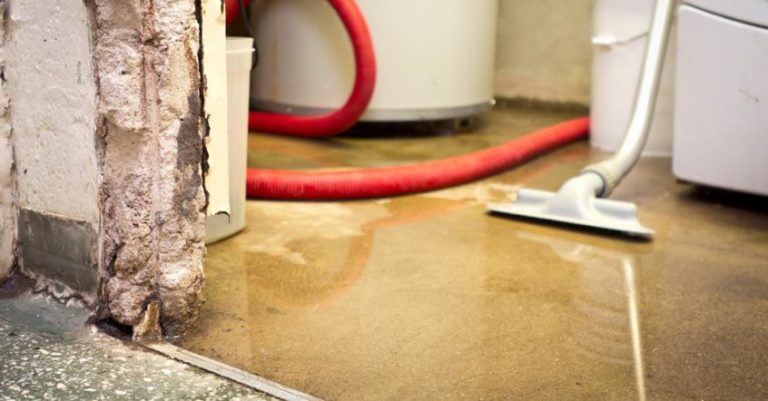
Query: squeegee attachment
[[571, 208], [578, 201]]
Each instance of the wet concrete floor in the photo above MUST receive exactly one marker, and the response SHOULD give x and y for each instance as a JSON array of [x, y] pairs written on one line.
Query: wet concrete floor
[[428, 297]]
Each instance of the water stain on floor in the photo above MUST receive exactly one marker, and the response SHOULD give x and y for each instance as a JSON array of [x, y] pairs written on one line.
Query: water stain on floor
[[304, 222]]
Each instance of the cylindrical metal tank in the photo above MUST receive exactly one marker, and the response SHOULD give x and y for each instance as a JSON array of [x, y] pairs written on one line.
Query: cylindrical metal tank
[[435, 58]]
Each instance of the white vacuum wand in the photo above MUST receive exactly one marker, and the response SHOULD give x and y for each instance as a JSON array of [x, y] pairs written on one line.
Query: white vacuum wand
[[578, 201]]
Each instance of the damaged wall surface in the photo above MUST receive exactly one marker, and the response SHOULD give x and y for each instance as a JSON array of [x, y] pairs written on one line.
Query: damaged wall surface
[[7, 209], [151, 150], [53, 115]]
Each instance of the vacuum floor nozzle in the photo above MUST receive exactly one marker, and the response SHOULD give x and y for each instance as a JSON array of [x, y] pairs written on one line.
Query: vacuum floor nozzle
[[585, 211]]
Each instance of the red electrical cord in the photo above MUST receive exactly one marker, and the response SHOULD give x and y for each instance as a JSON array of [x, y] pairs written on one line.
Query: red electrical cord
[[401, 180]]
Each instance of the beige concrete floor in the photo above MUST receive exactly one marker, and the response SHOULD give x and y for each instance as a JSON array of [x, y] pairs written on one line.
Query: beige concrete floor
[[428, 297]]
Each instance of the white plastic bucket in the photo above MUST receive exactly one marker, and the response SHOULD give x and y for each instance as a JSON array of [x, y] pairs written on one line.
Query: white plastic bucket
[[619, 38], [239, 60]]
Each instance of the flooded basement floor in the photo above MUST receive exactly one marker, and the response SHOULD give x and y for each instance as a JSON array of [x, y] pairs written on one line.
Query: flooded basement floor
[[428, 297]]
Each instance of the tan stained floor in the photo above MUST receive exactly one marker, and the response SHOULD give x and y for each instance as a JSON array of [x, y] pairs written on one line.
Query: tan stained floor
[[428, 297]]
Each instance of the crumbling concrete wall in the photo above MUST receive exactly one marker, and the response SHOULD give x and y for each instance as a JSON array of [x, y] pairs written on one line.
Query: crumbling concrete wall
[[151, 155], [7, 208]]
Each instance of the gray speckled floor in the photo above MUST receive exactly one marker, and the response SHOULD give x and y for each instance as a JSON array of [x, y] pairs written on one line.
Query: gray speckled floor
[[47, 354]]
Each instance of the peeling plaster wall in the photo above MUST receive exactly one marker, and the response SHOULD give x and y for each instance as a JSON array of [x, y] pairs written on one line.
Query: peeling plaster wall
[[7, 208], [544, 50], [151, 149]]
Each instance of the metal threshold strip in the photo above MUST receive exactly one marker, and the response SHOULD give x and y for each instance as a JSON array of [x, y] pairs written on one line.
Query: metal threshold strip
[[229, 372]]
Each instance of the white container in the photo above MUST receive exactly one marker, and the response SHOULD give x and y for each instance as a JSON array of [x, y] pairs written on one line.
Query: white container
[[619, 37], [239, 60], [435, 58]]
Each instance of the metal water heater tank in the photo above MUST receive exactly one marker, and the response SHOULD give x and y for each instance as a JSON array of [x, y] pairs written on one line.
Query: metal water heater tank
[[435, 58]]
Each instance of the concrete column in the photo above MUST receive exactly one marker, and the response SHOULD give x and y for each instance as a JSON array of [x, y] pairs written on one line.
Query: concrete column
[[7, 208], [151, 150]]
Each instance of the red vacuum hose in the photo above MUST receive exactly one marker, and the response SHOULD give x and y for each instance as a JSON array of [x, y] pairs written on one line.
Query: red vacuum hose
[[334, 122], [401, 180], [387, 181]]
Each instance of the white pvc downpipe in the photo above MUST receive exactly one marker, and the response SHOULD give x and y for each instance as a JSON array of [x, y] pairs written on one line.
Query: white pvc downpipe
[[215, 94], [239, 60]]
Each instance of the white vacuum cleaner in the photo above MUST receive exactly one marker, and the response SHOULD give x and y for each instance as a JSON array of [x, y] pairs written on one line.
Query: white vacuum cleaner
[[580, 200]]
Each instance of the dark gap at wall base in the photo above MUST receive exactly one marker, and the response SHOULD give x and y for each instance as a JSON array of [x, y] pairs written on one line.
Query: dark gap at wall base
[[540, 104], [16, 285], [101, 320]]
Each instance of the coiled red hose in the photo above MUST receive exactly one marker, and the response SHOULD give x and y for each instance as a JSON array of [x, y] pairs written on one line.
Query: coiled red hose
[[341, 119], [388, 181], [401, 180]]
